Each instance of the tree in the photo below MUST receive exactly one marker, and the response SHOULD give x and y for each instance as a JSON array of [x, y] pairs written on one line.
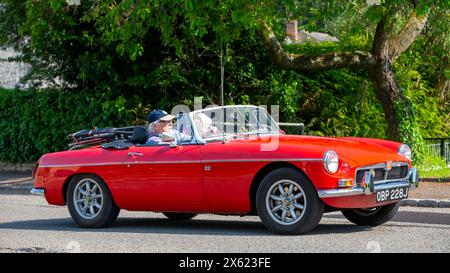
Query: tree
[[387, 46], [114, 44]]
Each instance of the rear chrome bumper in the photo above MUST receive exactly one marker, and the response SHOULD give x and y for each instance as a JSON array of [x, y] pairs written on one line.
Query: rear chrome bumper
[[411, 181], [37, 192]]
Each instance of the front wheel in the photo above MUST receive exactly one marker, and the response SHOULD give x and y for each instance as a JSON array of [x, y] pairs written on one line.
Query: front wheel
[[373, 216], [287, 202], [90, 202]]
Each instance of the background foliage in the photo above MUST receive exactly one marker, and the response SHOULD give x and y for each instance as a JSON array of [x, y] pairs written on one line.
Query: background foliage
[[34, 122], [107, 63]]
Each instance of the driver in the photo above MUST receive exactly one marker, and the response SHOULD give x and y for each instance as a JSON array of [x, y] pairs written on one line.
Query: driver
[[160, 128], [159, 122]]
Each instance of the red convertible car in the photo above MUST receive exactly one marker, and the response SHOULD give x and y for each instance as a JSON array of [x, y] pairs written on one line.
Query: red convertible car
[[231, 160]]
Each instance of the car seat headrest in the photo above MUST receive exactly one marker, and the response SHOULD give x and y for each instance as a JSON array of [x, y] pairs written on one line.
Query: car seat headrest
[[139, 136]]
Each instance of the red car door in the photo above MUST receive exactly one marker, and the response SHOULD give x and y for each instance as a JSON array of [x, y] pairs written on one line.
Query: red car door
[[228, 170], [162, 178]]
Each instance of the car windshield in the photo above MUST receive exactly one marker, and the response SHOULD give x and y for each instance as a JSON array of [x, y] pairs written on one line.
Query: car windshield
[[182, 128], [233, 121]]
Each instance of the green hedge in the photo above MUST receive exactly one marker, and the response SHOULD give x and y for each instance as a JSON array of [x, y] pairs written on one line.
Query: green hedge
[[34, 122]]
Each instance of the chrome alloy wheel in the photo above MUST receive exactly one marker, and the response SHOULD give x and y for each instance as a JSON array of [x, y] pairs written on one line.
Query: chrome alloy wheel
[[88, 198], [286, 202]]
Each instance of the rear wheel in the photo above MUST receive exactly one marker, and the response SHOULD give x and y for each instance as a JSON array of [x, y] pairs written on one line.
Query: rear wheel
[[373, 216], [287, 202], [179, 216], [90, 202]]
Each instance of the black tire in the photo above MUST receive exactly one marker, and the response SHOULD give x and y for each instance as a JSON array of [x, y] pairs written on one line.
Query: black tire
[[311, 214], [105, 216], [179, 216], [373, 217]]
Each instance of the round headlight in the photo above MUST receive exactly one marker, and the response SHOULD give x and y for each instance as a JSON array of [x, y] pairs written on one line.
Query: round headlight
[[331, 162], [405, 151]]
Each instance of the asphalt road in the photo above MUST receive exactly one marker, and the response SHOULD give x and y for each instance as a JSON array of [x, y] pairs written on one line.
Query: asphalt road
[[29, 224]]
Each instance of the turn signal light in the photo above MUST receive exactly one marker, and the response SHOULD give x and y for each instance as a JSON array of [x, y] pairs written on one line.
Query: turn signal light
[[345, 183]]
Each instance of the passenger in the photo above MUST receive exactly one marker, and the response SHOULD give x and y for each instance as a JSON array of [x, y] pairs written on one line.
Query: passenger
[[204, 126]]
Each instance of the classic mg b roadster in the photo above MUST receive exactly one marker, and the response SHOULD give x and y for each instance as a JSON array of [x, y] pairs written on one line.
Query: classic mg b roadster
[[230, 160]]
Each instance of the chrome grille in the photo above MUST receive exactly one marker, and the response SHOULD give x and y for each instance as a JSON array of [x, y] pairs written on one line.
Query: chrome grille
[[399, 171]]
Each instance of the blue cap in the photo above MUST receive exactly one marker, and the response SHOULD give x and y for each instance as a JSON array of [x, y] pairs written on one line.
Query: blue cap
[[159, 114]]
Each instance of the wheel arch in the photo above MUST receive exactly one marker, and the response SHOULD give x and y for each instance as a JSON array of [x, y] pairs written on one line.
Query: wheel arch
[[257, 179], [70, 177]]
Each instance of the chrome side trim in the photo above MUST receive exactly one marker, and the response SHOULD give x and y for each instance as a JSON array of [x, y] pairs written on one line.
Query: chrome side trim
[[225, 161], [262, 160], [162, 162], [186, 162], [37, 192], [80, 164]]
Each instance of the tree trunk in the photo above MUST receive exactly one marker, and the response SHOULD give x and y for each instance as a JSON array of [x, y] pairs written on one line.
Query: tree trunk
[[443, 83], [385, 50], [396, 107]]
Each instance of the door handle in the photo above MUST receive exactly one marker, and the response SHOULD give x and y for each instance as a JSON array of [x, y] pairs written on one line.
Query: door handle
[[135, 154]]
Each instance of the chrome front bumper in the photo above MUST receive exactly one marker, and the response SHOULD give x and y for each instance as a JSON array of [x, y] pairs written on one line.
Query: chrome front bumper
[[37, 192], [411, 181]]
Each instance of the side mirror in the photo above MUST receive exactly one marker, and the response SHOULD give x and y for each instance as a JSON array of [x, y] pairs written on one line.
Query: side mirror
[[139, 136]]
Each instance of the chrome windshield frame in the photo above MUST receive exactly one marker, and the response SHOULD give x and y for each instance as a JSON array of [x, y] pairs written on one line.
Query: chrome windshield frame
[[200, 140]]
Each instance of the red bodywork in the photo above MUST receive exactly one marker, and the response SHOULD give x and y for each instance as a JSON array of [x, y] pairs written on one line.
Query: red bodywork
[[215, 177]]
